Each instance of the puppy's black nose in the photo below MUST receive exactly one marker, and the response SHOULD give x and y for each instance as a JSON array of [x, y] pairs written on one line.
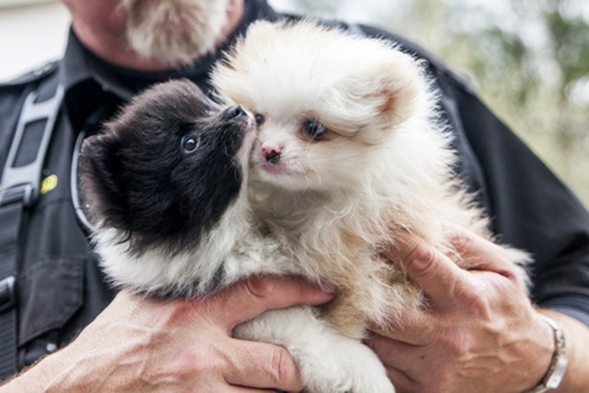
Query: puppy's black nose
[[233, 112]]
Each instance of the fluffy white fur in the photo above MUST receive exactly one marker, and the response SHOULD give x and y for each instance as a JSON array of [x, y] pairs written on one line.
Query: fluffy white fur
[[320, 207]]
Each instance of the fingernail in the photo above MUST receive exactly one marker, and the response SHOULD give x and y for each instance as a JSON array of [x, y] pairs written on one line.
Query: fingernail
[[328, 288]]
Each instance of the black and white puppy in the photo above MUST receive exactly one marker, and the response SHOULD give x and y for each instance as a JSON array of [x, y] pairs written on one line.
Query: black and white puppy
[[162, 183]]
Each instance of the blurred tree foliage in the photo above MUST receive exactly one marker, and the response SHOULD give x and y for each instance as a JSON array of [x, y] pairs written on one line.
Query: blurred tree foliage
[[528, 59]]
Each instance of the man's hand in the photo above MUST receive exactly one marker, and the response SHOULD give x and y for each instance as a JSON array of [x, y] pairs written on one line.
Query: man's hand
[[479, 333], [145, 345]]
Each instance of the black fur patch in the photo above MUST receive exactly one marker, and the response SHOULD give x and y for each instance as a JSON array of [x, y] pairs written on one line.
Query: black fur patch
[[138, 177]]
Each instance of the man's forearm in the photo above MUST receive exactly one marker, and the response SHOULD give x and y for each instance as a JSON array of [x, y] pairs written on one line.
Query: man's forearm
[[37, 378]]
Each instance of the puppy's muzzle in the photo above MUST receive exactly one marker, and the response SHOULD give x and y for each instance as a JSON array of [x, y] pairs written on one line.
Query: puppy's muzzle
[[271, 152], [233, 112]]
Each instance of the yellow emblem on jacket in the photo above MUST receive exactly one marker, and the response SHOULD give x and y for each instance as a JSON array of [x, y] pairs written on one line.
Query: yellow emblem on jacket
[[48, 184]]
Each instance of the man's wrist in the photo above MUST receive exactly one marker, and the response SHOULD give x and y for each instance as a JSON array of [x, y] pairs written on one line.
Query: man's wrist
[[557, 368]]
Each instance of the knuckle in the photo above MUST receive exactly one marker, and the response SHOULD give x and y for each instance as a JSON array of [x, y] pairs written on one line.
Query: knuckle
[[421, 258], [283, 368], [472, 299], [259, 287]]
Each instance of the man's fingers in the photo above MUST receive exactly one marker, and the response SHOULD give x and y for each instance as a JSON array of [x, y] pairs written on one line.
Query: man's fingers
[[401, 381], [474, 251], [396, 355], [251, 297], [414, 327], [404, 362], [434, 272], [264, 366]]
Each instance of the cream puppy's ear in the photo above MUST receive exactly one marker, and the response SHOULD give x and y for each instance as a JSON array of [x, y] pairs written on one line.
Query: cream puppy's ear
[[398, 89]]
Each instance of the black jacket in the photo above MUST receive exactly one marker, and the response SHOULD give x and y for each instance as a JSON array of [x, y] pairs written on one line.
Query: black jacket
[[61, 289]]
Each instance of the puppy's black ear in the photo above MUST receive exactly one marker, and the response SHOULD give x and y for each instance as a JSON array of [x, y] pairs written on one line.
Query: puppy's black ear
[[103, 187]]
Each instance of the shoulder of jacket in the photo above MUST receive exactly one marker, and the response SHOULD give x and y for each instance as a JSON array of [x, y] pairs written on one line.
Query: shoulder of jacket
[[33, 76]]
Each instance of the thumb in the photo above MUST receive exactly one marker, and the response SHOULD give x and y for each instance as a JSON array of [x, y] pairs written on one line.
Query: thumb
[[436, 274], [252, 296]]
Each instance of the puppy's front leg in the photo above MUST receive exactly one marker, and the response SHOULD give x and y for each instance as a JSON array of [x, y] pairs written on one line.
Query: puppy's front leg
[[329, 362]]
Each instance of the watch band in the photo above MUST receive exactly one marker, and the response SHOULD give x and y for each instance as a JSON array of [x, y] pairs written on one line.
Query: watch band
[[555, 373]]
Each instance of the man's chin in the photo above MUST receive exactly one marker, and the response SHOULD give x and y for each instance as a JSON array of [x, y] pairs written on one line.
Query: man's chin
[[174, 31]]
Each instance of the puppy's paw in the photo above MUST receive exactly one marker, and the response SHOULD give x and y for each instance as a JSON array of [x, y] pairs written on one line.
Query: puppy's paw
[[329, 362], [351, 368]]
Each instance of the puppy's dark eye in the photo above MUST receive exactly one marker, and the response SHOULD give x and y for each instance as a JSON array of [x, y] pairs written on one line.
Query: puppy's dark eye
[[314, 129], [189, 144], [260, 119]]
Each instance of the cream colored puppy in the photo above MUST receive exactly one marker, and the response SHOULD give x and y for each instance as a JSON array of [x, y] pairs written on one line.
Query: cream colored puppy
[[350, 145]]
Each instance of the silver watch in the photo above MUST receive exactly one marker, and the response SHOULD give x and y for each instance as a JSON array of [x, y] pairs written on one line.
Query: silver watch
[[555, 373]]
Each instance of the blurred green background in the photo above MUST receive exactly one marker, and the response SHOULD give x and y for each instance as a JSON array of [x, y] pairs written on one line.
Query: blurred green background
[[528, 59]]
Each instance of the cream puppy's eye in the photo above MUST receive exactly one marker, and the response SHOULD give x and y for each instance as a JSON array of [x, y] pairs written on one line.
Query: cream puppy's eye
[[189, 144], [314, 129], [260, 119]]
